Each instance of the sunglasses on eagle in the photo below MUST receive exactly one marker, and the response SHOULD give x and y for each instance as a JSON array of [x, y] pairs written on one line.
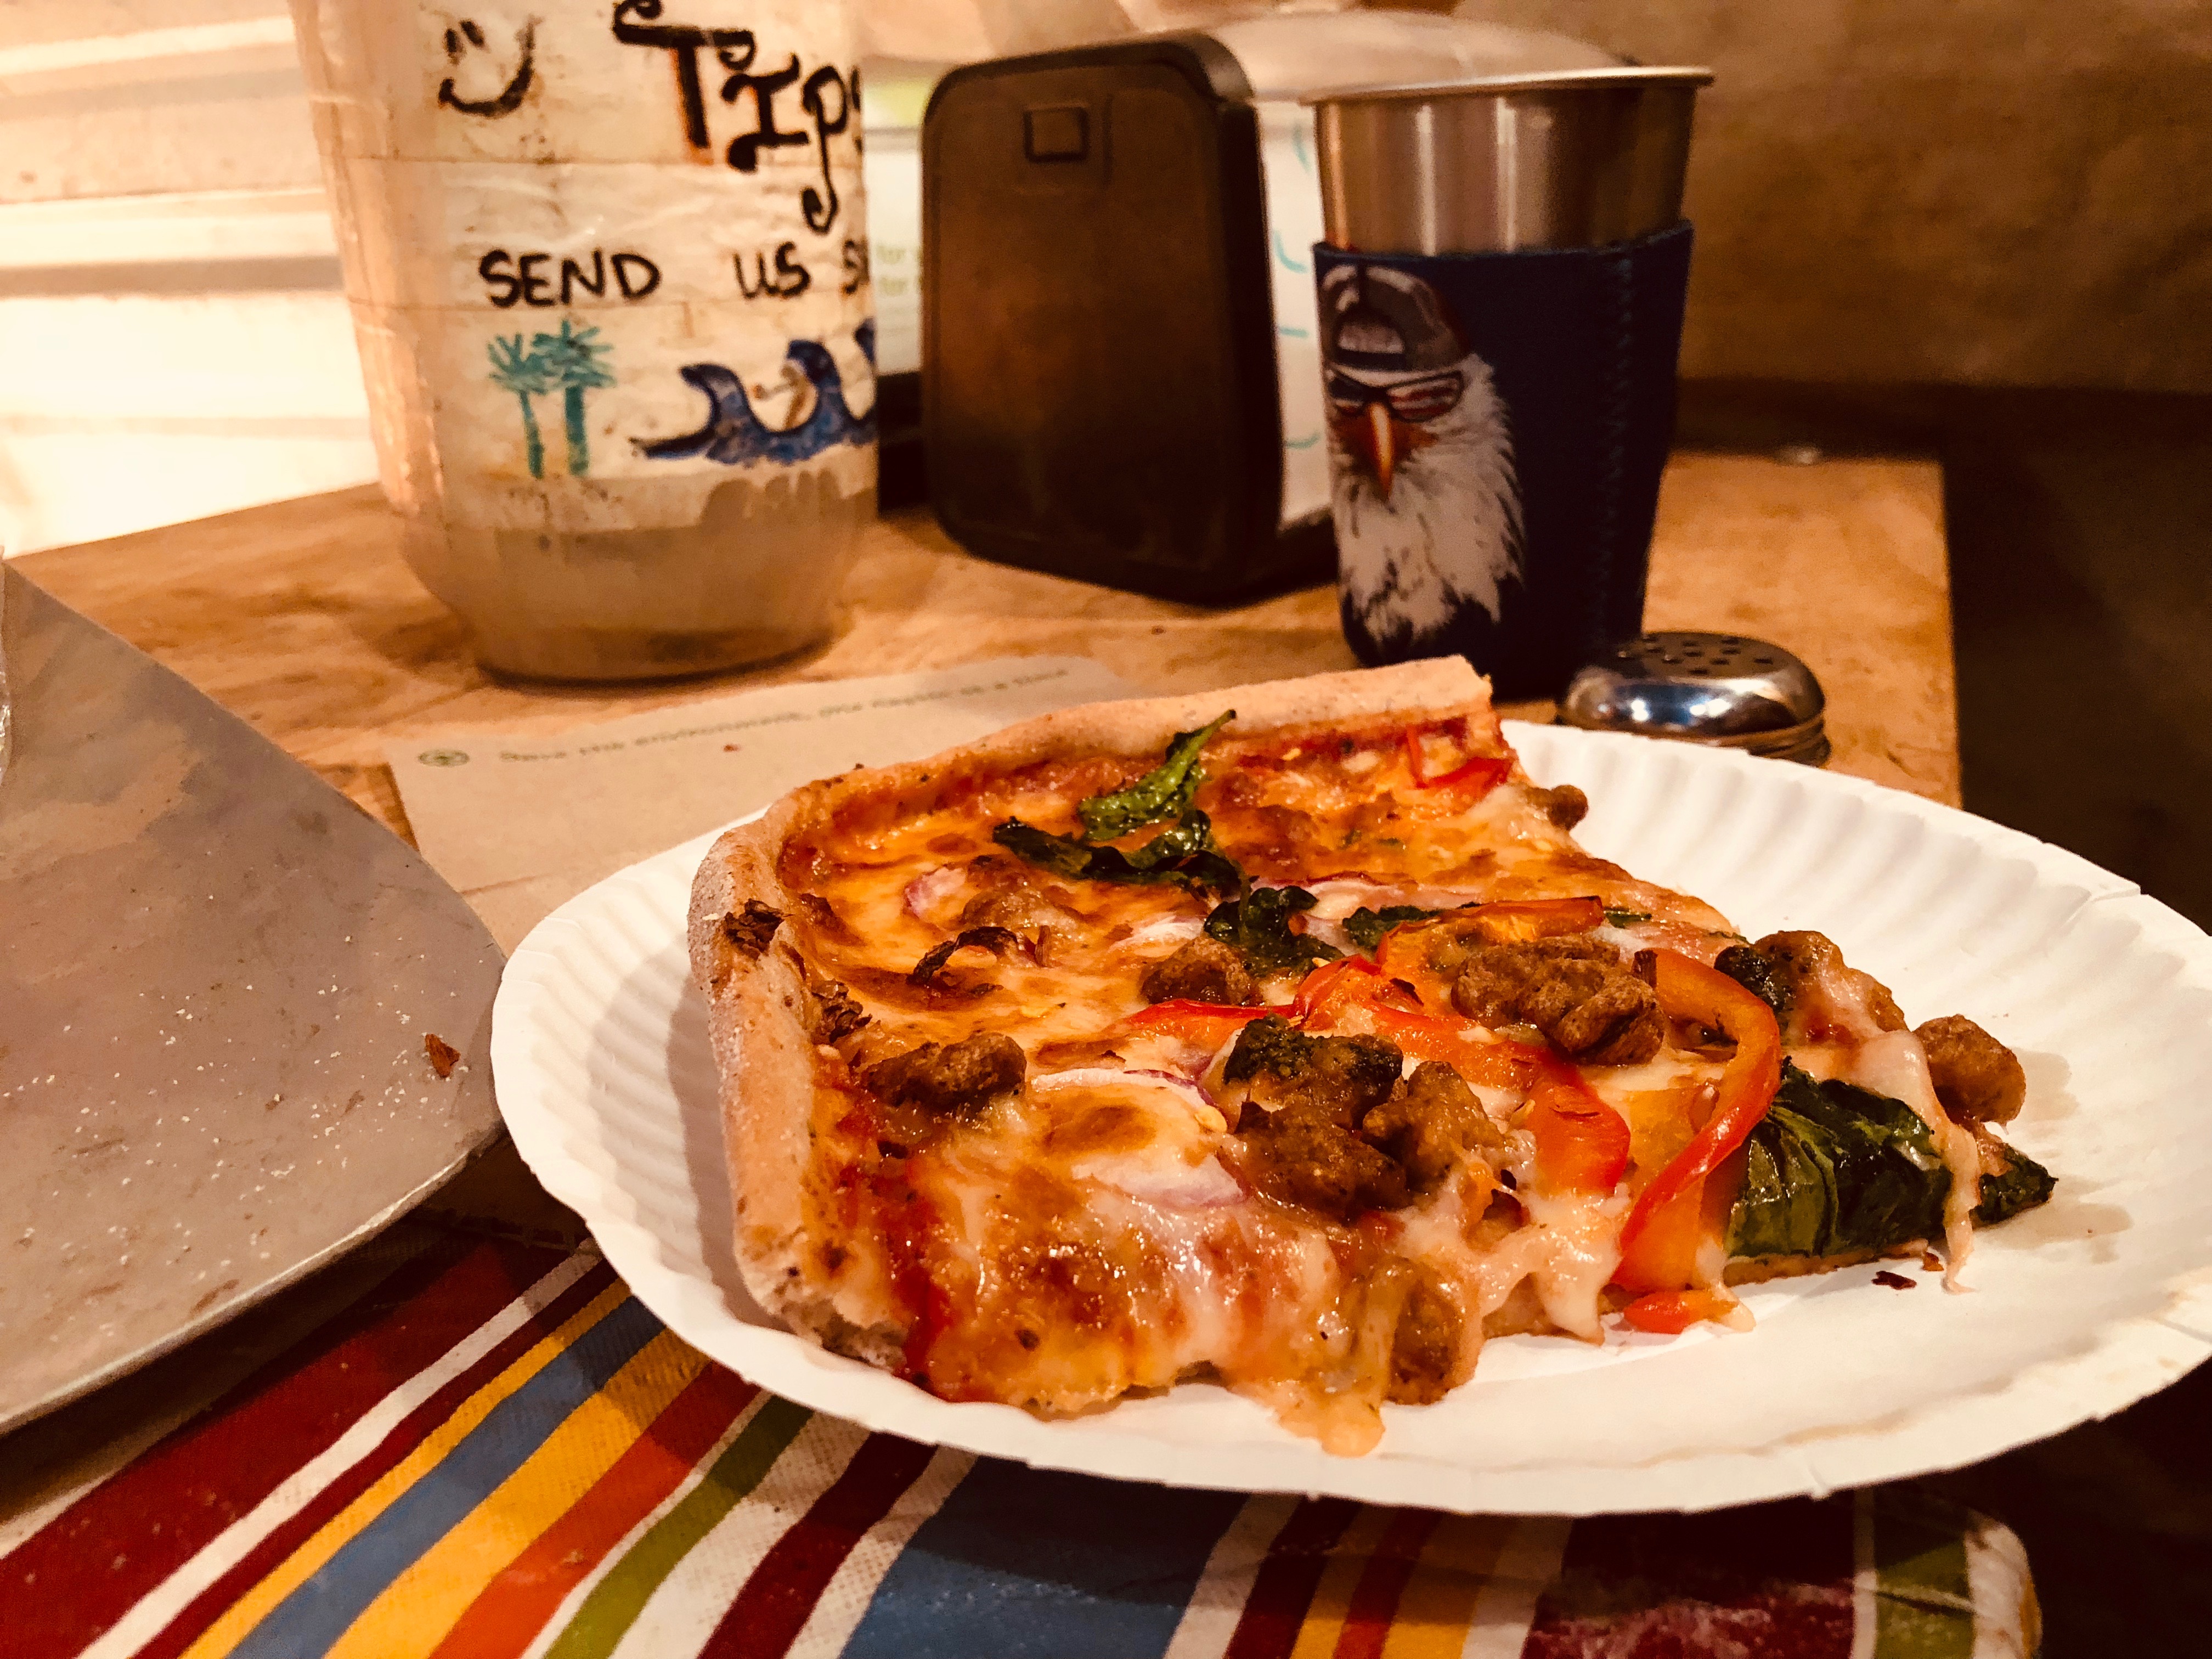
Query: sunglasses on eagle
[[1423, 400]]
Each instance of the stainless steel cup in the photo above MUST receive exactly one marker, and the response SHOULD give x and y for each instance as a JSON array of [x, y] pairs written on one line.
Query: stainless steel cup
[[1501, 294], [1575, 159]]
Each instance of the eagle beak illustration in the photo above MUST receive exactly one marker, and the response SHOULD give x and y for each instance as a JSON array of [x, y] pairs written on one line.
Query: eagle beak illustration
[[1379, 443], [1381, 446]]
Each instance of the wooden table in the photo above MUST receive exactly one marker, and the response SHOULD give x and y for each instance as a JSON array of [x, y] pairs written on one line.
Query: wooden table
[[300, 618]]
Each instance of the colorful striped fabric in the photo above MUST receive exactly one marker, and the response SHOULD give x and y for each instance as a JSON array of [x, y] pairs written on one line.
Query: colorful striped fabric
[[497, 1452]]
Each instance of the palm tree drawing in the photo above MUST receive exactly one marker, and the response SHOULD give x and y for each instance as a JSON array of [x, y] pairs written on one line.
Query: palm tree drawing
[[525, 375], [572, 358]]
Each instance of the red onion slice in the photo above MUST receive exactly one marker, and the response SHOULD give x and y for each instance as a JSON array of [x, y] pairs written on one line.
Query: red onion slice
[[1165, 929], [925, 892], [1338, 896], [1170, 1184], [1177, 1079]]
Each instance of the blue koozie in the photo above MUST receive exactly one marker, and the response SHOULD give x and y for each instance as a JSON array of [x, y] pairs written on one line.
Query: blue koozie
[[1498, 424]]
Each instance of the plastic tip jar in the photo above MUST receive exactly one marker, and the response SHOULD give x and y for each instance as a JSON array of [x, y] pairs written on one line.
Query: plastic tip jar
[[609, 274]]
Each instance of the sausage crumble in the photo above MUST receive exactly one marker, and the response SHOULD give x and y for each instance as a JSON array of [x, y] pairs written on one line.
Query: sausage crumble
[[1300, 1131], [1573, 989], [1007, 898], [1978, 1079], [1425, 1346], [955, 1079], [1429, 1122], [1801, 967], [1564, 804], [1203, 970], [833, 1014], [1331, 1125]]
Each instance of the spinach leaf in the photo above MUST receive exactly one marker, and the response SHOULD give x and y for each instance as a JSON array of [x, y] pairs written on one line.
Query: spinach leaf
[[1183, 856], [1258, 924], [1756, 975], [1833, 1169], [2020, 1185], [1625, 918], [1367, 927], [1166, 792], [1272, 1045], [1188, 854], [1063, 855]]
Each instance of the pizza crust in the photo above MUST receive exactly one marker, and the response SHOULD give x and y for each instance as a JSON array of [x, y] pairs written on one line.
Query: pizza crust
[[759, 1004]]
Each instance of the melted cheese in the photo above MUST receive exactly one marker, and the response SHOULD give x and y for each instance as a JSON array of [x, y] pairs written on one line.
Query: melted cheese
[[1569, 1250], [1894, 1063]]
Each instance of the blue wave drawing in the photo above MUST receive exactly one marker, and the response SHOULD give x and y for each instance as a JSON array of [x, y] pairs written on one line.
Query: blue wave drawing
[[733, 435], [1290, 264]]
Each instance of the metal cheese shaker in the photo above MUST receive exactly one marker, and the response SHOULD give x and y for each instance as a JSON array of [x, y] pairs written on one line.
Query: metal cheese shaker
[[1501, 295]]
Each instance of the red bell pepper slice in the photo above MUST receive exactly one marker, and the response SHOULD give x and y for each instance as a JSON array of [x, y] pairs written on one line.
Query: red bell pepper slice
[[1482, 772], [1206, 1025], [1402, 953], [1582, 1143], [1399, 949], [1427, 1037], [1669, 1313], [1481, 775], [1514, 921], [1672, 1216], [1333, 985], [1324, 995]]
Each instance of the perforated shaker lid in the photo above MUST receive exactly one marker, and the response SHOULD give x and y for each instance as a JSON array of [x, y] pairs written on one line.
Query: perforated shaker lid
[[1723, 688]]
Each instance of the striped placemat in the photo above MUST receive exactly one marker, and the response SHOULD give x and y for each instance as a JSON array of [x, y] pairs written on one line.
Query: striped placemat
[[496, 1451]]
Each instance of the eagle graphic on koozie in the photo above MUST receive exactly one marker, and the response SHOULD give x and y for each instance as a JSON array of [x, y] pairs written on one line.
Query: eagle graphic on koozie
[[1428, 511]]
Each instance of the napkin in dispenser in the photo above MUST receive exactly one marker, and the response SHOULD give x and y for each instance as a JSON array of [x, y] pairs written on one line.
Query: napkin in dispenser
[[1121, 365]]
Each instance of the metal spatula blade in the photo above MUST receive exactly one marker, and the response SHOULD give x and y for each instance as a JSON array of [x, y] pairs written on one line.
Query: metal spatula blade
[[216, 976]]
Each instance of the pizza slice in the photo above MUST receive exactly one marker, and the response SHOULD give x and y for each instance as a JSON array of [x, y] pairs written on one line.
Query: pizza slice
[[1286, 1037]]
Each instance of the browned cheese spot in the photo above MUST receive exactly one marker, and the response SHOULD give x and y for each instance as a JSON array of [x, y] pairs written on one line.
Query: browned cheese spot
[[1117, 1127]]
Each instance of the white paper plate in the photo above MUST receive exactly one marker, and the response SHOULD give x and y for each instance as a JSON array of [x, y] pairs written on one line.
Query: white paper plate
[[599, 1053]]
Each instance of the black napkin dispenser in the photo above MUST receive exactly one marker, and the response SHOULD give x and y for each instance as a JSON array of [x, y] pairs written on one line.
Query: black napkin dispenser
[[1099, 394]]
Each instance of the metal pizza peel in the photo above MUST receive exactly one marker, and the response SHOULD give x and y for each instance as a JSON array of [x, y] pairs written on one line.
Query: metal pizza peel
[[216, 979]]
